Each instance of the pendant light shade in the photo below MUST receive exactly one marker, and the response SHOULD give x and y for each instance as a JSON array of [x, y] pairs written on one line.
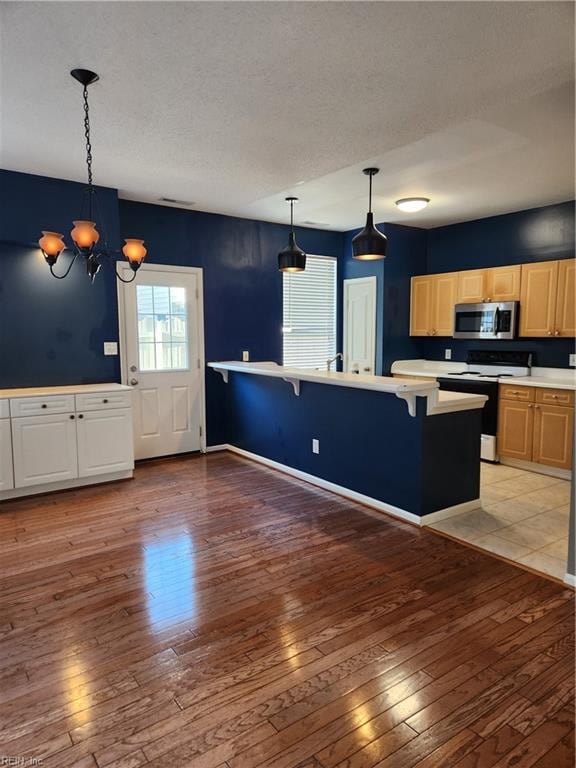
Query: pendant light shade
[[292, 258], [369, 244]]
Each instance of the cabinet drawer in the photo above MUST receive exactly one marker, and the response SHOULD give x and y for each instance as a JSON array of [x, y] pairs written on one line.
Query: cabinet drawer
[[91, 401], [555, 397], [519, 394], [40, 406], [4, 409]]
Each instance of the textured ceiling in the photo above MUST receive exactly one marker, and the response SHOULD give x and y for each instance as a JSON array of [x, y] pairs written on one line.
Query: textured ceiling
[[235, 105]]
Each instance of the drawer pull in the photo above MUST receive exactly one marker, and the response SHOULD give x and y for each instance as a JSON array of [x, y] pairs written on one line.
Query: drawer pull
[[80, 415], [105, 400], [44, 405], [71, 415]]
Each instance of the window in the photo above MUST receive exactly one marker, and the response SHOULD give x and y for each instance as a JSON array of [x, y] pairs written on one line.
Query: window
[[162, 328], [309, 316]]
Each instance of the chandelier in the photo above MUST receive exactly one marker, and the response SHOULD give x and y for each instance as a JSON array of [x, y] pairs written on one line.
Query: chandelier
[[88, 243]]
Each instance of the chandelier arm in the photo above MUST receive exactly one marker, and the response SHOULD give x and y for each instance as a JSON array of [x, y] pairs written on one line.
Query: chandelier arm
[[122, 280], [61, 277]]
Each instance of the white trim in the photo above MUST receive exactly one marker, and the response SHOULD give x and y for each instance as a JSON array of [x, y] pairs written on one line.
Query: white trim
[[64, 485], [372, 281], [570, 579], [199, 273], [542, 469], [457, 509], [214, 448], [340, 490]]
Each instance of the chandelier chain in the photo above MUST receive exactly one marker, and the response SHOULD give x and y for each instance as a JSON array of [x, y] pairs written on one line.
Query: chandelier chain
[[87, 136]]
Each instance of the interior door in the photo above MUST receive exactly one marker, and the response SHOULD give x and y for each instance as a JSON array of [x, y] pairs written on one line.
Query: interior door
[[163, 359], [360, 325]]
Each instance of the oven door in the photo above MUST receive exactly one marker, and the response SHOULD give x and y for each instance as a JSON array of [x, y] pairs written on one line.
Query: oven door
[[485, 321], [489, 412]]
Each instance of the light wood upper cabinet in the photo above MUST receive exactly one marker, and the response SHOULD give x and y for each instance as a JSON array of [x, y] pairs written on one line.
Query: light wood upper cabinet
[[566, 299], [504, 283], [421, 305], [472, 286], [432, 304], [494, 284], [553, 429], [538, 292], [515, 429]]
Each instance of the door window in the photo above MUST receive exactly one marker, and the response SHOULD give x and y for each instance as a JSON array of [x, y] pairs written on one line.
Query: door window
[[162, 328]]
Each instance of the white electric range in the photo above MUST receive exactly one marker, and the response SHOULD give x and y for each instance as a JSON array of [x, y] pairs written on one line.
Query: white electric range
[[485, 368]]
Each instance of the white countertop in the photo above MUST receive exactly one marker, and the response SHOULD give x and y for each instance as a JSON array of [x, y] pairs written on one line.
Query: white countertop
[[71, 389], [438, 401], [554, 378]]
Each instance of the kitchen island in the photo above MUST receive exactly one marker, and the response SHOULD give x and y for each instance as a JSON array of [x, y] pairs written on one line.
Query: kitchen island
[[399, 445]]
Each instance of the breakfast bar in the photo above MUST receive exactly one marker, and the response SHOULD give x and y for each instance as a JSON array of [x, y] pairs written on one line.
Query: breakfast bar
[[400, 445]]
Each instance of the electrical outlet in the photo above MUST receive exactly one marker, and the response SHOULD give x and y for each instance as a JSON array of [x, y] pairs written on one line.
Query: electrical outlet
[[315, 446], [245, 356], [110, 347], [447, 354], [572, 359]]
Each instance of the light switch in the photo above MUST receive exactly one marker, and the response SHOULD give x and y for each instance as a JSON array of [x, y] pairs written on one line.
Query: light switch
[[315, 446], [245, 356], [110, 347], [572, 360], [447, 354]]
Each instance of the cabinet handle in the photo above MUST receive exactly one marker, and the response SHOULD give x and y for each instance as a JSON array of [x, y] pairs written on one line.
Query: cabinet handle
[[71, 415], [488, 299], [537, 407], [530, 405], [80, 415], [556, 333], [555, 397], [549, 333], [44, 405], [105, 400]]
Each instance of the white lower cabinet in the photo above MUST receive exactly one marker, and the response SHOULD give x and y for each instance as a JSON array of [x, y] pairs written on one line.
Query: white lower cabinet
[[6, 470], [105, 441], [44, 449]]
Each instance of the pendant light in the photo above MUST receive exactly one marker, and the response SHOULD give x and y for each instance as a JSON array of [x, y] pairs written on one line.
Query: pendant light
[[370, 243], [88, 244], [292, 258]]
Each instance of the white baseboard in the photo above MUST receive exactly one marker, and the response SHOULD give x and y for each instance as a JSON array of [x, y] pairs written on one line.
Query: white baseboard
[[457, 509], [340, 490], [541, 469], [65, 485], [570, 579], [214, 448]]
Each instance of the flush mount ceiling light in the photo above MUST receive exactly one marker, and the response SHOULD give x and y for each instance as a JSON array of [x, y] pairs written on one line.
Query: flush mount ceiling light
[[87, 242], [412, 204], [292, 258], [370, 243]]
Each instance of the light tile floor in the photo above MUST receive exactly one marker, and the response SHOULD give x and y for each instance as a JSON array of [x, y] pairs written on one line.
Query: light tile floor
[[523, 517]]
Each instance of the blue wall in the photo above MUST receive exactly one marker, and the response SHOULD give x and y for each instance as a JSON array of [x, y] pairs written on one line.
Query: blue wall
[[52, 332]]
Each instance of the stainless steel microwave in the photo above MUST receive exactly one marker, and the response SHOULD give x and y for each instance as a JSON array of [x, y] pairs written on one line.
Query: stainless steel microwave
[[496, 320]]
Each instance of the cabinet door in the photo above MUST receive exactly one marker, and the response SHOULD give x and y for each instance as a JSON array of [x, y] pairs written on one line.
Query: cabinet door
[[421, 306], [515, 427], [6, 472], [504, 283], [472, 286], [538, 290], [566, 299], [105, 442], [553, 428], [444, 292], [44, 449]]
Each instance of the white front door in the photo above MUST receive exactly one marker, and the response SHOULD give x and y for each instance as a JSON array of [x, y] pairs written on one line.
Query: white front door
[[163, 358], [360, 325]]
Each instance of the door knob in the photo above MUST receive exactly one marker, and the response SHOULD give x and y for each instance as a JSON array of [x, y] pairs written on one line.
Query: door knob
[[133, 382]]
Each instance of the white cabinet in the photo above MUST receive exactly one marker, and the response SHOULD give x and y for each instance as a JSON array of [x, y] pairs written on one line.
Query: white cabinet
[[105, 441], [6, 472], [44, 449]]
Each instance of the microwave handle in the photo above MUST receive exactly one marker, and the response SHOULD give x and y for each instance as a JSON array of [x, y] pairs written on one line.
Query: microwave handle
[[497, 320]]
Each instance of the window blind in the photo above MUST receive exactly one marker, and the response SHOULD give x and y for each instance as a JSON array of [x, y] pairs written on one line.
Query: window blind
[[309, 314]]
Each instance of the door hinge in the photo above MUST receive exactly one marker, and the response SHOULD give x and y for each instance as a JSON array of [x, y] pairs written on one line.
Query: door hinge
[[198, 363], [200, 431]]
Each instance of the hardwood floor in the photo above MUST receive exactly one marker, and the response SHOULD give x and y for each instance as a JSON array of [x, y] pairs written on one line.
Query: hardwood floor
[[216, 614]]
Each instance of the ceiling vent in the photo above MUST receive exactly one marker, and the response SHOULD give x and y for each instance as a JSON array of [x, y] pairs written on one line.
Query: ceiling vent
[[173, 201]]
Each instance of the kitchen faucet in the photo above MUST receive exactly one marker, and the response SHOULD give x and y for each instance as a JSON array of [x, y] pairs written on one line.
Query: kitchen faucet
[[337, 356]]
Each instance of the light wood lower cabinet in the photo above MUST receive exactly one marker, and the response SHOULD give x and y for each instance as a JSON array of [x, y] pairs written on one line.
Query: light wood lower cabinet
[[536, 431]]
